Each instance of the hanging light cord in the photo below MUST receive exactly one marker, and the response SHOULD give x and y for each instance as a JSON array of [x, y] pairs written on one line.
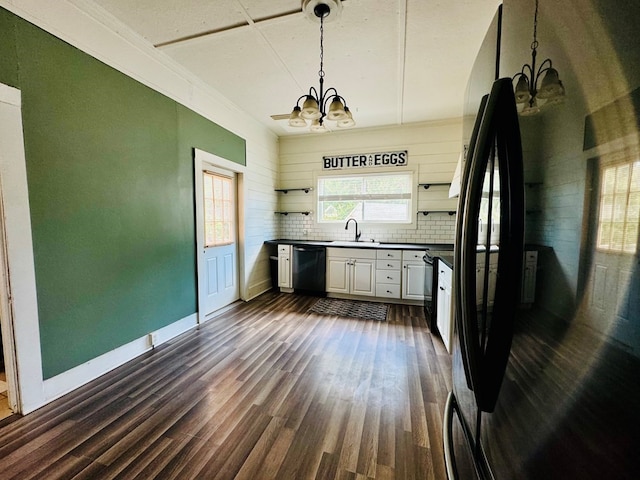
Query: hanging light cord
[[534, 47], [321, 72], [534, 44]]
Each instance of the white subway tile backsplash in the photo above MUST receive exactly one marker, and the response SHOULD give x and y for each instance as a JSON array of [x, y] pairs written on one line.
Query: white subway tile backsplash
[[297, 226]]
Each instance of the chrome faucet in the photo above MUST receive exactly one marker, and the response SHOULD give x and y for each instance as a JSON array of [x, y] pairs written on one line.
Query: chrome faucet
[[346, 227]]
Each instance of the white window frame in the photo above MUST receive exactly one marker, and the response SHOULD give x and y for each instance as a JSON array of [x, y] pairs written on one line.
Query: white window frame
[[410, 221]]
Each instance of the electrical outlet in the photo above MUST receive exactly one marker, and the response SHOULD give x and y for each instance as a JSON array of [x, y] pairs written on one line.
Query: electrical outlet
[[153, 339]]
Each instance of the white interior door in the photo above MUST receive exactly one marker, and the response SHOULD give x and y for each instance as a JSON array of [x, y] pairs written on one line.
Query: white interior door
[[612, 254], [218, 248]]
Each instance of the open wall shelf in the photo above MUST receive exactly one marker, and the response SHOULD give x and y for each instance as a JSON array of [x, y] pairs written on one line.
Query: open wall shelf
[[301, 189], [287, 213], [427, 212], [426, 186]]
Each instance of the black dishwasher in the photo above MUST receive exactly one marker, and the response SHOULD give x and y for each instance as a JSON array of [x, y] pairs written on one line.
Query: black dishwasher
[[309, 263]]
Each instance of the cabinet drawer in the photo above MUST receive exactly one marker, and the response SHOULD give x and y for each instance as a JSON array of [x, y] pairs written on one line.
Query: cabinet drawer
[[387, 290], [388, 276], [389, 255], [388, 264], [284, 248], [351, 252], [412, 255]]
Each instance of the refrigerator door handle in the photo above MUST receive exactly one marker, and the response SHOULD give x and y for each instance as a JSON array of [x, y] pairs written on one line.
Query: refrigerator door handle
[[499, 133], [509, 272], [447, 438], [459, 272], [469, 332]]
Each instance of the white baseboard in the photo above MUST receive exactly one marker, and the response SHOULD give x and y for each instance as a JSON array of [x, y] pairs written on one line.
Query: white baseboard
[[258, 289], [68, 381]]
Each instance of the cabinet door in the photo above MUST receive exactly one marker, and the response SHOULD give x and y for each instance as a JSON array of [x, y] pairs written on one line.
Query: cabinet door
[[445, 325], [444, 320], [528, 294], [413, 281], [479, 284], [363, 277], [284, 270], [493, 276], [338, 275]]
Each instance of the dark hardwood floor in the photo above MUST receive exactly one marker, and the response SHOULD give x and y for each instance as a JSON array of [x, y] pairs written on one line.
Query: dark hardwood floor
[[265, 391]]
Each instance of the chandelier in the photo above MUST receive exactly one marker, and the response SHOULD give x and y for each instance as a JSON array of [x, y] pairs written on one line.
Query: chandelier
[[551, 90], [314, 104]]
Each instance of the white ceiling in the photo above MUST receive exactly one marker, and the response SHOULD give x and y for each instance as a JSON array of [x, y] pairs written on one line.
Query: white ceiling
[[394, 61]]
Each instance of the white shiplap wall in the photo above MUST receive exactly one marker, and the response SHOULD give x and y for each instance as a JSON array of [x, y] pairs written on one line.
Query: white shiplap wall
[[433, 147]]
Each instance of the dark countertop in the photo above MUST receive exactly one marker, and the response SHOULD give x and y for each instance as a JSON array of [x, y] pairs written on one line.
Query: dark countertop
[[382, 245], [447, 260]]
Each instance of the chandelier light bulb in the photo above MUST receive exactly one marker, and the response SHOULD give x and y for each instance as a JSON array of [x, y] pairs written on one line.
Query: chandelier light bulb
[[522, 90], [318, 127], [310, 110], [551, 86], [295, 120], [348, 121], [336, 110]]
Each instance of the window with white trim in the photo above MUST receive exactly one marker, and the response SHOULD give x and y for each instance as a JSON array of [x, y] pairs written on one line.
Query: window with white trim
[[619, 213], [374, 198]]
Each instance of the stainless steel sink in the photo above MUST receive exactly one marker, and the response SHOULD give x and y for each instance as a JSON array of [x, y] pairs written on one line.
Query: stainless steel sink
[[344, 243]]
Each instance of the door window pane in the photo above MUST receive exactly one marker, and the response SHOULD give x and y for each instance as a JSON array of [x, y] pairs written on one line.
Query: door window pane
[[218, 210], [619, 212]]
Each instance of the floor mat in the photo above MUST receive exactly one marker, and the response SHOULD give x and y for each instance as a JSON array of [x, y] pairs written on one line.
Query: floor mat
[[351, 308]]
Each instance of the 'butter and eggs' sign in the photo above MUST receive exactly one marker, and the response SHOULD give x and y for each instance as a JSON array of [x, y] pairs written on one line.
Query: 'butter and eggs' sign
[[383, 159]]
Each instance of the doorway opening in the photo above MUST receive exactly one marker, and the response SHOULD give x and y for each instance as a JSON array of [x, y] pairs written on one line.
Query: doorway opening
[[219, 232]]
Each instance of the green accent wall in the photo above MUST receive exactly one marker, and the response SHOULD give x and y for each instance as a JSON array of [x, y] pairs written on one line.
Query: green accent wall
[[110, 175]]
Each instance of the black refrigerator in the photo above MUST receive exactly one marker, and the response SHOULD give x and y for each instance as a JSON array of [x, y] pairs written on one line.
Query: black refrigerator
[[549, 387]]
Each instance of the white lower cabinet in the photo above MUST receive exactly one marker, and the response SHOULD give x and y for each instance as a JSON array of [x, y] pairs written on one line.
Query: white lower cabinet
[[285, 272], [529, 268], [413, 267], [363, 277], [351, 271], [491, 279], [444, 309]]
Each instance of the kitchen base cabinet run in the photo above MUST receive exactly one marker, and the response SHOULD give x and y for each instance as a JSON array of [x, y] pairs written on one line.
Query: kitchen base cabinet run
[[378, 274]]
